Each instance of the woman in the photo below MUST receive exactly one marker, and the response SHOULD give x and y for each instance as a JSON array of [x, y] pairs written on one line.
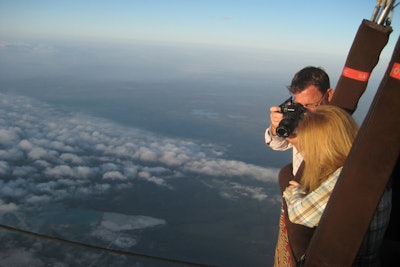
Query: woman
[[324, 138]]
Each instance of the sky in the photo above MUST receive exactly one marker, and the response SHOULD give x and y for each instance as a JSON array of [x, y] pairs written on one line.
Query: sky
[[313, 25]]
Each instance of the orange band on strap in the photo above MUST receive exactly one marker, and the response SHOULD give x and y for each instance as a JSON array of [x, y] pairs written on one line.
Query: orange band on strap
[[395, 72], [355, 74]]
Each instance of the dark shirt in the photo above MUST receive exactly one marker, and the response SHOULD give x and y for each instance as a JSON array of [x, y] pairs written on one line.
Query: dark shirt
[[369, 253]]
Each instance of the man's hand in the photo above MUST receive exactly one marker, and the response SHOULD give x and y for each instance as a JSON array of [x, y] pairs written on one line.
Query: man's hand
[[293, 184], [275, 116], [290, 190]]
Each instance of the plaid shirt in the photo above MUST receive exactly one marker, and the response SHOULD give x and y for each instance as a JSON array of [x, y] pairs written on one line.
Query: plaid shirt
[[307, 209]]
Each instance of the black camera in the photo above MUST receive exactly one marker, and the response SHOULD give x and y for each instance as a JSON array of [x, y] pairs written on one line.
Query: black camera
[[292, 113]]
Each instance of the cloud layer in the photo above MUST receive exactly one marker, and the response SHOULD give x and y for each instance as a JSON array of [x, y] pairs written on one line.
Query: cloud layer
[[50, 154]]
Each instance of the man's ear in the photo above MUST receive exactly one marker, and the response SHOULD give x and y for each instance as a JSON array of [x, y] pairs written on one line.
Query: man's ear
[[330, 94]]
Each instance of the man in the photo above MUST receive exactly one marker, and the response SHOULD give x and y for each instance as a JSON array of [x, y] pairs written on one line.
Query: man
[[310, 87]]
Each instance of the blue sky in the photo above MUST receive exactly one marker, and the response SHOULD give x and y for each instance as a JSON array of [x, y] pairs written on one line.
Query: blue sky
[[321, 26]]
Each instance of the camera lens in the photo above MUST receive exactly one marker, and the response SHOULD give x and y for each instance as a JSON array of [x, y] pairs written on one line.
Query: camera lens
[[282, 132], [286, 127]]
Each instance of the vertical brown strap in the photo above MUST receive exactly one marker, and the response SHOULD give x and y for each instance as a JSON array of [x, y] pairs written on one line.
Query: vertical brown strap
[[360, 186], [363, 56], [299, 235]]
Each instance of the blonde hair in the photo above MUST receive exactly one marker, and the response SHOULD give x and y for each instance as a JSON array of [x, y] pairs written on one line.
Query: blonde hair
[[325, 137]]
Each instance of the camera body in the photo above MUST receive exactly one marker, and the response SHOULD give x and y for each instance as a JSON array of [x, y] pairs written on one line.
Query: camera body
[[292, 113]]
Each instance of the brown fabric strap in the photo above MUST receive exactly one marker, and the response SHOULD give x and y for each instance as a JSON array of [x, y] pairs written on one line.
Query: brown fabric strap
[[363, 179], [363, 56], [299, 235]]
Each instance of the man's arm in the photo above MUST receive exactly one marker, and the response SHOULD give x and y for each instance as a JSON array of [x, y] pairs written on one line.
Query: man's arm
[[275, 142], [271, 139]]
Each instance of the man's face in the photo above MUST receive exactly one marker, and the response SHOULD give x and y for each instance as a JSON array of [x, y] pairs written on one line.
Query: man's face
[[311, 97]]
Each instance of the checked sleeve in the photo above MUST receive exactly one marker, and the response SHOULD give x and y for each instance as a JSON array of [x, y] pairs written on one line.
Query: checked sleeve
[[307, 209]]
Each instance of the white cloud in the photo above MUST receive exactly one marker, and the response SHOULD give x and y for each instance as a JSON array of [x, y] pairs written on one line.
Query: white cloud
[[7, 136], [46, 187], [41, 164], [25, 145], [130, 170], [23, 171], [11, 154], [72, 158], [236, 191], [13, 188], [113, 175], [146, 175], [38, 198], [146, 154], [221, 167], [109, 166], [37, 153], [7, 207], [83, 171], [254, 192], [3, 167], [98, 188], [59, 171]]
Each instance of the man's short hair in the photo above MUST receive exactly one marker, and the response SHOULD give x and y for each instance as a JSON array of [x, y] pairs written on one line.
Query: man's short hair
[[310, 76]]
